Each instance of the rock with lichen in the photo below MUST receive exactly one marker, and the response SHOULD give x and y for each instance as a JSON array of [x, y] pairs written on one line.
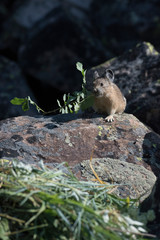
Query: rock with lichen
[[126, 151], [132, 180], [137, 73]]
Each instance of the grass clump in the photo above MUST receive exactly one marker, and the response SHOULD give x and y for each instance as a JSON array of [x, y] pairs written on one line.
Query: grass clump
[[44, 204]]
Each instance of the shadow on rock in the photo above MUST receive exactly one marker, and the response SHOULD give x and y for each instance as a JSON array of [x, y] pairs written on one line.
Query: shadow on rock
[[151, 152]]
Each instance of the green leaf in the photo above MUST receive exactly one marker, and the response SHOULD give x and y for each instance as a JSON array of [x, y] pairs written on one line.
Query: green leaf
[[21, 101], [76, 107], [66, 109], [64, 97], [4, 228], [71, 98], [79, 66], [59, 104], [70, 108], [78, 98], [25, 105], [82, 95], [87, 103], [18, 101]]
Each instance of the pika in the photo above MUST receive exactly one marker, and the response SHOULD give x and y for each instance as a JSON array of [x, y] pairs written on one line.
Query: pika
[[108, 98]]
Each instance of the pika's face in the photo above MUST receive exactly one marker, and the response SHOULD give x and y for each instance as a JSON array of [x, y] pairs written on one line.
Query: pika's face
[[100, 86]]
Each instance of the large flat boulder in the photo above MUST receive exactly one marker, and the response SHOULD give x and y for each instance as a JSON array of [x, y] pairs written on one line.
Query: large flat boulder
[[125, 144]]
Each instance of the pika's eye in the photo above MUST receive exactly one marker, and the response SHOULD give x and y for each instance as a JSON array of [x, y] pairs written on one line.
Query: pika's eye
[[101, 84]]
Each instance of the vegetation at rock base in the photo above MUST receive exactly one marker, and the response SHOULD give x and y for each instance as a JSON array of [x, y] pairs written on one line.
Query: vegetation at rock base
[[47, 204]]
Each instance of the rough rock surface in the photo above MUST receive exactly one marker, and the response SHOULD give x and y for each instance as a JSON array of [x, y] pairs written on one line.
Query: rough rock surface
[[75, 138], [135, 180], [12, 84], [137, 73]]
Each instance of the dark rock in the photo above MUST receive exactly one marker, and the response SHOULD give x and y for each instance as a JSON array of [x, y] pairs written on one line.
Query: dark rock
[[137, 73], [153, 203], [49, 37], [23, 16], [12, 84], [115, 27], [4, 9], [27, 13], [124, 149], [121, 26], [56, 43]]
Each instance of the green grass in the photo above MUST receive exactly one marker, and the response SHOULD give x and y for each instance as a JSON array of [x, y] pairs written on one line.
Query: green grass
[[39, 203]]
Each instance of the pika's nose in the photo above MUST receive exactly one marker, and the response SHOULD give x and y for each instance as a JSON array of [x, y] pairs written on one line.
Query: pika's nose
[[95, 90]]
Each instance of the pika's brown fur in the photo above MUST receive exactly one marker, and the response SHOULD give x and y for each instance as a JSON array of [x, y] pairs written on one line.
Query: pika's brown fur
[[108, 98]]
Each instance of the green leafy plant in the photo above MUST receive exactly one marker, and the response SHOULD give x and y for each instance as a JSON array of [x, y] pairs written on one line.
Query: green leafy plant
[[46, 204], [78, 100], [25, 102], [72, 103]]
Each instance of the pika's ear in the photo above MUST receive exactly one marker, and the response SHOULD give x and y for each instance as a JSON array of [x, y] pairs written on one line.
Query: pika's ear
[[109, 74], [95, 75]]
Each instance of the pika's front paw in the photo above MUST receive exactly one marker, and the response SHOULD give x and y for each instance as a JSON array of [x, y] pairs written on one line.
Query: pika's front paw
[[109, 118]]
